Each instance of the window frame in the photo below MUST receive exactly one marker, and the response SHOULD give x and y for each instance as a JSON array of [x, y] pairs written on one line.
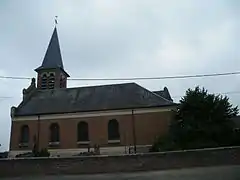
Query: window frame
[[54, 137], [24, 136], [113, 131], [51, 81], [44, 81], [82, 126]]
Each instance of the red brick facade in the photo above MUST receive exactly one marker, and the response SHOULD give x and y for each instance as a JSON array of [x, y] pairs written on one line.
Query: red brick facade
[[145, 125]]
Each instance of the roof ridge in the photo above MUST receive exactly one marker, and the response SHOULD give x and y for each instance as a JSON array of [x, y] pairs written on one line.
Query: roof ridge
[[85, 87], [162, 97], [154, 93], [25, 101]]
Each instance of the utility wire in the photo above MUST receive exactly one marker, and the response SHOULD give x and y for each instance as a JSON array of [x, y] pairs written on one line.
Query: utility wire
[[159, 78], [135, 78], [14, 77]]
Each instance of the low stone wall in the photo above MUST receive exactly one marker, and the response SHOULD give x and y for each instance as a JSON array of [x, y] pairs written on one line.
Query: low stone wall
[[123, 163], [117, 150]]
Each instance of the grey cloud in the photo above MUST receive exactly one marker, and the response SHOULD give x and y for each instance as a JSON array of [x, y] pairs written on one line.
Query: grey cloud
[[121, 38]]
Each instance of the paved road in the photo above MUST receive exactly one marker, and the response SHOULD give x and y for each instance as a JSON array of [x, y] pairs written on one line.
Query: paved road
[[218, 173]]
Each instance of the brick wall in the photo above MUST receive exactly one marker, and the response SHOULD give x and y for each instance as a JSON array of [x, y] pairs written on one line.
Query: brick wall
[[147, 127], [110, 164]]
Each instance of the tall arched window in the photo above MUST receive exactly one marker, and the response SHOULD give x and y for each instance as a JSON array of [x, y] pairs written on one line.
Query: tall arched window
[[51, 81], [44, 81], [54, 133], [113, 130], [24, 137], [82, 131]]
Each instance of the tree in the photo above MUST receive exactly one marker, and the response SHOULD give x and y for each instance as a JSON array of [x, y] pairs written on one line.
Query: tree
[[202, 120]]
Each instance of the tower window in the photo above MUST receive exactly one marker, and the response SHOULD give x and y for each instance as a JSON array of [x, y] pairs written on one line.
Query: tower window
[[44, 81], [51, 81]]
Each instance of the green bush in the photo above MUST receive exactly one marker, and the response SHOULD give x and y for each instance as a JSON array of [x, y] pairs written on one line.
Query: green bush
[[163, 144], [42, 153]]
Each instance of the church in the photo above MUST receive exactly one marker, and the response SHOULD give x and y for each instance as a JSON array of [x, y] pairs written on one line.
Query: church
[[67, 121]]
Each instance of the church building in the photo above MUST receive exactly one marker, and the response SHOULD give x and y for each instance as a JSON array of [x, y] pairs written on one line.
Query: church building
[[67, 121]]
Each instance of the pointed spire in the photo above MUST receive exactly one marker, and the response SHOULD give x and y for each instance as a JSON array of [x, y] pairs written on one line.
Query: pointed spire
[[53, 58]]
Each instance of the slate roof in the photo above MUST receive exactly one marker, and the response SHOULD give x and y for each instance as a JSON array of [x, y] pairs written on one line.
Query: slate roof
[[164, 93], [92, 98], [52, 58]]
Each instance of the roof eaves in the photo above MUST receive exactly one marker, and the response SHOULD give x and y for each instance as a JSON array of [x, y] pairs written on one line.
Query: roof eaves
[[132, 108]]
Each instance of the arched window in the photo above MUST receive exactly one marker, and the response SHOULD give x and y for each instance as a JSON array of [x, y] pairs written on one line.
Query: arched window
[[113, 130], [54, 133], [24, 137], [82, 131], [44, 81], [51, 81]]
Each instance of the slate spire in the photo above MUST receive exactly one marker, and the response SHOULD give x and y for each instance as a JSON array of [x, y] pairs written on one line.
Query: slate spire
[[52, 58], [51, 73]]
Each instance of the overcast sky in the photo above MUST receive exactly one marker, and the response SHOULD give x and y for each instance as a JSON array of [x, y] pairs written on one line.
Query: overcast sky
[[121, 38]]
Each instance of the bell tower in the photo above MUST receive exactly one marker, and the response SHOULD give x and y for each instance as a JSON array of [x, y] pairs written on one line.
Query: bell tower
[[51, 73]]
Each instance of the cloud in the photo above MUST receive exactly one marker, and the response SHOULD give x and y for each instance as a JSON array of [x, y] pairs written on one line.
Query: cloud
[[121, 38]]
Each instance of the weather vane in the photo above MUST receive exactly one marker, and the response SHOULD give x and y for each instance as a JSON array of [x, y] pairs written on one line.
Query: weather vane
[[56, 22]]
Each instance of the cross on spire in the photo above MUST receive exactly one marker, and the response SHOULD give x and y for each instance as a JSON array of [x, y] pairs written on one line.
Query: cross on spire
[[51, 73], [56, 22], [53, 57]]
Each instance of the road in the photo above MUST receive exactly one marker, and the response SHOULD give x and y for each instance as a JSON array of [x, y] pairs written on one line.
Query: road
[[218, 173]]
